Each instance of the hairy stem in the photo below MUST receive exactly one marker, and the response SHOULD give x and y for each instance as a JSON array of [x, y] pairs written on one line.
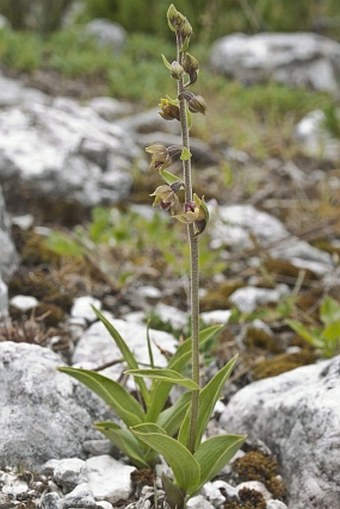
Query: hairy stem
[[194, 257]]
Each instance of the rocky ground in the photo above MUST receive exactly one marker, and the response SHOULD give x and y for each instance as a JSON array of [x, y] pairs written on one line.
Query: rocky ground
[[271, 253]]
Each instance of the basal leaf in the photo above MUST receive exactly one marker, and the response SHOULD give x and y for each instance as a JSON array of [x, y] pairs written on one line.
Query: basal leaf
[[160, 390], [126, 442], [207, 401], [185, 468], [170, 419], [213, 454], [165, 375], [125, 351], [114, 394]]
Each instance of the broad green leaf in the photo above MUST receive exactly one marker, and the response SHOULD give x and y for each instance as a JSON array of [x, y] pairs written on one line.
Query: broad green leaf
[[332, 332], [207, 400], [183, 353], [64, 245], [185, 468], [170, 419], [160, 390], [213, 454], [174, 495], [125, 351], [185, 154], [170, 178], [125, 441], [302, 331], [330, 311], [165, 375], [114, 394]]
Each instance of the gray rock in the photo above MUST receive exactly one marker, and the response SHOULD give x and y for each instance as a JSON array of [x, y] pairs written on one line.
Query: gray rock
[[110, 109], [248, 298], [297, 414], [65, 150], [216, 316], [96, 347], [81, 497], [13, 92], [109, 479], [45, 414], [69, 472], [296, 59], [3, 300], [236, 226], [82, 308], [107, 33], [314, 139], [199, 502], [276, 504], [24, 302], [51, 501], [8, 255], [4, 23]]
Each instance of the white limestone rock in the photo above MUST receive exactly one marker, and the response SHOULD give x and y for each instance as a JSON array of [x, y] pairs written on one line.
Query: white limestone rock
[[107, 33], [82, 308], [24, 302], [248, 298], [314, 139], [109, 479], [297, 414], [295, 59], [96, 347], [44, 413]]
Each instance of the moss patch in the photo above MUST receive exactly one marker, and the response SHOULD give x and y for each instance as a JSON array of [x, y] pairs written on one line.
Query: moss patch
[[282, 363]]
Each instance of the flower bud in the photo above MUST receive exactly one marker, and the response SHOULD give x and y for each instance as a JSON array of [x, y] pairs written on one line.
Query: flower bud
[[161, 156], [178, 22], [169, 111], [177, 70], [191, 67], [196, 103]]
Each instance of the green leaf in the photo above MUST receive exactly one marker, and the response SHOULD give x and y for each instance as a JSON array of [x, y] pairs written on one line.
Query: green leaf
[[114, 394], [125, 351], [169, 177], [302, 331], [160, 390], [184, 466], [64, 245], [125, 441], [165, 375], [185, 154], [330, 311], [174, 495], [170, 419], [183, 353], [214, 454], [207, 401]]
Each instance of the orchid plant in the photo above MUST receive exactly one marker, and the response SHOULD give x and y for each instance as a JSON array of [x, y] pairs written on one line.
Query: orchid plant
[[149, 427]]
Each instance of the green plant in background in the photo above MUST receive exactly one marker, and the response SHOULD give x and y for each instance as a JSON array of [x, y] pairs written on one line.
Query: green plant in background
[[177, 432], [325, 339], [111, 229]]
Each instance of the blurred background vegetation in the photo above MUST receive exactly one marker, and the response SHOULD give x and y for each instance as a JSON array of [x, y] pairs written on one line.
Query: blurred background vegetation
[[210, 18], [47, 38]]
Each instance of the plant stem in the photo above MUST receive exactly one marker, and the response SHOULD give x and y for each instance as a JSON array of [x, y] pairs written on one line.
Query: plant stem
[[194, 257]]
